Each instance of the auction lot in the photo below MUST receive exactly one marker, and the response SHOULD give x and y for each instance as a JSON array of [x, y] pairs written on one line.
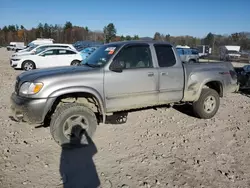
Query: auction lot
[[163, 147]]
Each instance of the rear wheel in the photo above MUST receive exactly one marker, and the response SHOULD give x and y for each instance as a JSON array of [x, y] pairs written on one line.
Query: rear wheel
[[207, 105], [72, 125], [75, 63], [28, 65]]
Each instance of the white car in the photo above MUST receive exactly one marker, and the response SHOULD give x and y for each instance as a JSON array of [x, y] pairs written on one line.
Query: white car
[[51, 57], [38, 48]]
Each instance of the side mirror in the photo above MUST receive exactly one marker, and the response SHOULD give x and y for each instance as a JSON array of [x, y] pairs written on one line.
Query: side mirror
[[43, 55], [116, 66]]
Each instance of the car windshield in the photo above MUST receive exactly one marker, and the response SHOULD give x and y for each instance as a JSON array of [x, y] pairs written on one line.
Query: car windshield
[[86, 50], [39, 50], [31, 48], [101, 56], [233, 52]]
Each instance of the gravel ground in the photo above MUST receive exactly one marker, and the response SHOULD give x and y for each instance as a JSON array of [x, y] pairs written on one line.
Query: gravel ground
[[163, 147]]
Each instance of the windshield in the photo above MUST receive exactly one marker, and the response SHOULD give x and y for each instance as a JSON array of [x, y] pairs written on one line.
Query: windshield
[[31, 48], [40, 49], [102, 55], [232, 52]]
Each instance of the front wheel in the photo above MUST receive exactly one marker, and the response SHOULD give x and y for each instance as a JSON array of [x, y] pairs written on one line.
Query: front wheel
[[207, 105], [28, 65], [73, 125], [75, 63]]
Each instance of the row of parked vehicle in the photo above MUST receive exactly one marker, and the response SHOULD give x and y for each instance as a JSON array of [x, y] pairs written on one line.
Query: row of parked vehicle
[[47, 54]]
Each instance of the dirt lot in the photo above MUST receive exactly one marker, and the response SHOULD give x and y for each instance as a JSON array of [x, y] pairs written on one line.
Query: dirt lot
[[156, 148]]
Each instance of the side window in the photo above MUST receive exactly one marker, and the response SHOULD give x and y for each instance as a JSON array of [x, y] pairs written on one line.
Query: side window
[[50, 52], [66, 52], [133, 57], [165, 55], [187, 51], [70, 52], [179, 51]]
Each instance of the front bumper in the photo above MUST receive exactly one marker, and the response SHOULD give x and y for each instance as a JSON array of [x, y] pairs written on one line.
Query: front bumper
[[29, 110]]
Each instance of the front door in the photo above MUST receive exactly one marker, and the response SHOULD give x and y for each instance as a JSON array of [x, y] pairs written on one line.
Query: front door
[[47, 59], [136, 85], [171, 75]]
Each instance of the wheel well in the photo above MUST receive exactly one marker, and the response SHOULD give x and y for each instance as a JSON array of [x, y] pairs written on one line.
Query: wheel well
[[89, 100], [192, 60], [217, 86]]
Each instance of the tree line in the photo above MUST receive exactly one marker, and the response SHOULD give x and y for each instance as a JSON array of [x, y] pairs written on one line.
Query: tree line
[[69, 33]]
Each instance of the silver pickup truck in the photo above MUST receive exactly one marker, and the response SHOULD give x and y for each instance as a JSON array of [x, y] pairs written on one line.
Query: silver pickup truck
[[117, 77]]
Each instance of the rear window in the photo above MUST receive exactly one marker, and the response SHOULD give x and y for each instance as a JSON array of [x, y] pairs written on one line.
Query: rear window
[[165, 55]]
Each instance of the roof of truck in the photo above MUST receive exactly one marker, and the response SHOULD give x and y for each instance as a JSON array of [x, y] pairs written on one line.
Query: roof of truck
[[140, 41]]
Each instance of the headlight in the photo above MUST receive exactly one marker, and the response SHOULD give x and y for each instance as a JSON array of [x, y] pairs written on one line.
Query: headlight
[[29, 88]]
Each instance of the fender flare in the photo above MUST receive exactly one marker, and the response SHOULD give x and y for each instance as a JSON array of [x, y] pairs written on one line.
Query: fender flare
[[205, 82], [69, 90]]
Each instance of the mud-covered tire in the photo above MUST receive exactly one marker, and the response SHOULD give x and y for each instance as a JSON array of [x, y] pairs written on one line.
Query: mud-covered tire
[[28, 65], [63, 113], [75, 63], [199, 105]]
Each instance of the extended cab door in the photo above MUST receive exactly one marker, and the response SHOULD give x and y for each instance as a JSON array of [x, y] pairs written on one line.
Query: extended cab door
[[136, 85], [171, 74]]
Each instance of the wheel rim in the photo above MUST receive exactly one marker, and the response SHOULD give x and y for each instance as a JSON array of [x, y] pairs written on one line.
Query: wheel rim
[[28, 66], [209, 104], [74, 129]]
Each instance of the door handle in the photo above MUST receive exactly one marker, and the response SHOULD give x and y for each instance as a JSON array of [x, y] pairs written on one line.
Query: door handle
[[150, 74], [164, 73]]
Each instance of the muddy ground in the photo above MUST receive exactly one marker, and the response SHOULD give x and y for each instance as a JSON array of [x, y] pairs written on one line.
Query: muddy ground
[[163, 147]]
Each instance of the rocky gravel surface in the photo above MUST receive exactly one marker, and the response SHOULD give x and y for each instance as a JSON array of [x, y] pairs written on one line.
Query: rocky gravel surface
[[162, 147]]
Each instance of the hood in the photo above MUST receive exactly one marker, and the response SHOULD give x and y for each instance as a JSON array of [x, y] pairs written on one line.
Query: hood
[[21, 54], [52, 72]]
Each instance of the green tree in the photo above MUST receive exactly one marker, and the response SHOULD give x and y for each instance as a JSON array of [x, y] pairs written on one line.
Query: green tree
[[128, 37], [109, 32], [68, 25], [209, 39], [136, 37], [122, 38], [167, 37], [157, 36]]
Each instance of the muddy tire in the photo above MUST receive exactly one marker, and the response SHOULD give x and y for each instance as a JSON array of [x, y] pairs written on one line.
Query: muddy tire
[[28, 65], [207, 105], [73, 125]]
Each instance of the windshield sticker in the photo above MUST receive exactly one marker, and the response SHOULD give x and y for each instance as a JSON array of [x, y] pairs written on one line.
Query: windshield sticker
[[110, 49], [111, 52]]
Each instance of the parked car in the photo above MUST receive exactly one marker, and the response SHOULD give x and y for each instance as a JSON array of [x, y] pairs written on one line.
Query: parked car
[[35, 43], [38, 49], [117, 77], [243, 75], [188, 55], [87, 51], [50, 57]]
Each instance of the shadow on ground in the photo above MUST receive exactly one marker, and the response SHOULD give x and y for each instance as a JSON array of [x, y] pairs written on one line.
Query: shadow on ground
[[245, 93], [77, 167], [185, 109]]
